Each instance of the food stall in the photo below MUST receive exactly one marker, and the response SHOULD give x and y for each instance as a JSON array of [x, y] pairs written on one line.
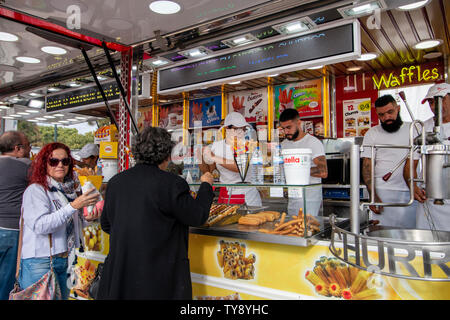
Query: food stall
[[261, 253]]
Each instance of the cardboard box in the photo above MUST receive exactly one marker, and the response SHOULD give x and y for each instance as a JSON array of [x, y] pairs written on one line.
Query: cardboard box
[[106, 133], [108, 150]]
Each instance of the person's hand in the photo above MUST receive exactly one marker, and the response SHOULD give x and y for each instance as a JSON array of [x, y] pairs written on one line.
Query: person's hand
[[86, 199], [208, 178], [208, 156], [376, 209], [96, 211], [419, 194]]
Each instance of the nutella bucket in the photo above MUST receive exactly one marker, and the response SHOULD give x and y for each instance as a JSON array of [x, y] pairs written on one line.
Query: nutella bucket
[[297, 165]]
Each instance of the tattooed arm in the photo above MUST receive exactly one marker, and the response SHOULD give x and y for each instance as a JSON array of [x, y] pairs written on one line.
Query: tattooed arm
[[366, 169], [321, 169]]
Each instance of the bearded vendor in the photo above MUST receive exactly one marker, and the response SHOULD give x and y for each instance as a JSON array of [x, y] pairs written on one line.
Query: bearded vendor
[[221, 156]]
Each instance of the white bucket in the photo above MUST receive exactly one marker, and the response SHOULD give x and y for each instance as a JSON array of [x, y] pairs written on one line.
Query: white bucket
[[109, 168], [297, 165]]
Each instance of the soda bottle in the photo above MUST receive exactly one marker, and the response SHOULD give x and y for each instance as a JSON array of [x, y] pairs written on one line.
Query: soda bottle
[[278, 166]]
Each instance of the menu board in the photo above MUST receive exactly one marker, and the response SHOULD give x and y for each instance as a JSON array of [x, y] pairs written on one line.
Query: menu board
[[205, 112], [305, 97], [252, 104], [356, 117], [334, 42], [171, 116]]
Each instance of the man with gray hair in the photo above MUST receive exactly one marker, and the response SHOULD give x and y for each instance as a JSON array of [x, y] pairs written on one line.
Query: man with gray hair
[[14, 164]]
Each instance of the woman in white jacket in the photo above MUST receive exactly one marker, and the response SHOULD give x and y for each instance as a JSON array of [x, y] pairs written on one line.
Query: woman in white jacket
[[51, 205]]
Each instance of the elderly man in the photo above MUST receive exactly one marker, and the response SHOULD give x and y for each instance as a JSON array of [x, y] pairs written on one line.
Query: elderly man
[[89, 156], [14, 165], [439, 213]]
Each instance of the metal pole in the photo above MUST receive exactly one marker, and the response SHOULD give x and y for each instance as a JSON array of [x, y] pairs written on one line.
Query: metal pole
[[55, 133], [354, 188]]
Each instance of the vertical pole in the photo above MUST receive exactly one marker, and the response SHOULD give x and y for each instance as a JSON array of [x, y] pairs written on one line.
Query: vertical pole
[[154, 93], [270, 106], [124, 118], [354, 188], [55, 133], [325, 103], [185, 118], [224, 109]]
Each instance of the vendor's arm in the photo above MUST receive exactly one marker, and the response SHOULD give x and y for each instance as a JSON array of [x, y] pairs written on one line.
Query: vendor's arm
[[210, 157], [38, 214], [366, 173], [419, 193], [321, 169]]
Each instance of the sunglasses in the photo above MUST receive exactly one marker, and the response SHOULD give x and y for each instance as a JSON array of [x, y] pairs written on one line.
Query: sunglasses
[[53, 162]]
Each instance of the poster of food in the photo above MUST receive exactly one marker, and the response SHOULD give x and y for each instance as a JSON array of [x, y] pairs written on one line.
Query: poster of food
[[305, 97], [356, 117], [145, 118], [171, 116], [252, 104], [205, 111]]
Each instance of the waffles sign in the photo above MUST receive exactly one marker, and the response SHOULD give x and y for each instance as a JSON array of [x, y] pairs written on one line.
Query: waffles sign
[[407, 76]]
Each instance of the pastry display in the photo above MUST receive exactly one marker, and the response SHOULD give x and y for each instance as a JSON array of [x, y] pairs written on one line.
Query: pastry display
[[256, 219], [235, 265], [295, 226], [221, 214]]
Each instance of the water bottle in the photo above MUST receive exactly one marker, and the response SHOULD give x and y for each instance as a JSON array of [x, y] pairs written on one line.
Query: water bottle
[[257, 167], [278, 166]]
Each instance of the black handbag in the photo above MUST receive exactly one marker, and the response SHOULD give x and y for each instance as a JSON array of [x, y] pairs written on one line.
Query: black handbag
[[93, 288]]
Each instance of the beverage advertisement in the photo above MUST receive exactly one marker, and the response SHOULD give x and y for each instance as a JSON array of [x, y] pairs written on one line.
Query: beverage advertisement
[[252, 104], [305, 97], [356, 117], [207, 111], [171, 116]]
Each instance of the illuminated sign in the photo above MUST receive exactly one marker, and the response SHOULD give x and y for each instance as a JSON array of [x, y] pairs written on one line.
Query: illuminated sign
[[407, 76]]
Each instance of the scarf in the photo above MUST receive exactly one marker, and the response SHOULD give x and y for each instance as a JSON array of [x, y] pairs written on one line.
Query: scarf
[[66, 193]]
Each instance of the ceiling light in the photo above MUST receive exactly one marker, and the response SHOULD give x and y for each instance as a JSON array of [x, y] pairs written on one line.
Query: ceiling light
[[23, 113], [49, 117], [4, 107], [273, 75], [41, 119], [157, 61], [101, 78], [195, 52], [234, 82], [32, 120], [367, 56], [58, 115], [164, 7], [432, 55], [33, 103], [304, 24], [35, 94], [16, 115], [28, 60], [240, 40], [63, 121], [361, 9], [73, 119], [7, 117], [315, 68], [427, 44], [355, 68], [5, 36], [74, 84], [81, 118], [54, 50], [53, 89], [414, 5], [32, 111]]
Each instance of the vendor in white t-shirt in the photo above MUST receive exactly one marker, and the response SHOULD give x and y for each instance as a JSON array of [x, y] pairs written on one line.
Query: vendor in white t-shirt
[[296, 138], [220, 156], [390, 131]]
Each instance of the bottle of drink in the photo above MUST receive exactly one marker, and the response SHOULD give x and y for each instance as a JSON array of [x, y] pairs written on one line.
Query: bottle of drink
[[278, 166], [257, 167]]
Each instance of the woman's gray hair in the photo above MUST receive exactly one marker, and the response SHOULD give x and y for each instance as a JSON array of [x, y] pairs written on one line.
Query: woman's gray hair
[[152, 146]]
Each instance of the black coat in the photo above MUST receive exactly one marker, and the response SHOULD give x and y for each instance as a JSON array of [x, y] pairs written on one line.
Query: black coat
[[147, 213]]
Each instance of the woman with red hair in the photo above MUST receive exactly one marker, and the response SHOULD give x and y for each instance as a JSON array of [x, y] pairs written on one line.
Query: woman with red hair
[[51, 206]]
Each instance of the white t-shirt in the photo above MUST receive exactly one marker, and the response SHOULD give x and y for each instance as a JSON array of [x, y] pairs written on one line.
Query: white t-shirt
[[387, 158], [311, 142]]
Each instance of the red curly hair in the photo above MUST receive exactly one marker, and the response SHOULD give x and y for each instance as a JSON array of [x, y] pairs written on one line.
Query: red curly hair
[[39, 166]]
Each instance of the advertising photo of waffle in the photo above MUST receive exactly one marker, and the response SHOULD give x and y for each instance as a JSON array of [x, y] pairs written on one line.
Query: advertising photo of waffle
[[221, 214], [235, 265], [332, 278]]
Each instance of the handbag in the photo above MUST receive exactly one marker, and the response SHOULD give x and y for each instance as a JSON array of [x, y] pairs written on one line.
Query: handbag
[[46, 288], [93, 288]]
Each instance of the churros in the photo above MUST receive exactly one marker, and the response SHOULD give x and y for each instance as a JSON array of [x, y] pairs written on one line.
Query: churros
[[295, 226], [231, 258]]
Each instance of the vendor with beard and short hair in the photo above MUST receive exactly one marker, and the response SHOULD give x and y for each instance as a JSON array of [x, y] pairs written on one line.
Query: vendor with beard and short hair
[[390, 131]]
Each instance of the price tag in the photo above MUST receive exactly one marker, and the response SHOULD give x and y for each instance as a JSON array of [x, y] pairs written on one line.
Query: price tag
[[276, 192]]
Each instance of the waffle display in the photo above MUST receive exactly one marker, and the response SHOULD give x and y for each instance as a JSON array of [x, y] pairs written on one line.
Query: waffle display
[[296, 226], [231, 258], [221, 214], [332, 278]]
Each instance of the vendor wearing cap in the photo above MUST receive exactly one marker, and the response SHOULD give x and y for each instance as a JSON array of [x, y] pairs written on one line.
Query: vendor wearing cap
[[439, 213], [220, 156], [89, 156]]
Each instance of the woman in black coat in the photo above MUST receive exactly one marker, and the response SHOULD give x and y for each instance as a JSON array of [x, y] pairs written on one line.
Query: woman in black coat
[[147, 214]]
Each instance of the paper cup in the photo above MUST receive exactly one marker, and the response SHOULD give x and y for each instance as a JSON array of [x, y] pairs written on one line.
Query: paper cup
[[297, 166]]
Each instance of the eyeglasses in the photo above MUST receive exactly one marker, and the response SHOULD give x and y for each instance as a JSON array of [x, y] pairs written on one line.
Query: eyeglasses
[[53, 162]]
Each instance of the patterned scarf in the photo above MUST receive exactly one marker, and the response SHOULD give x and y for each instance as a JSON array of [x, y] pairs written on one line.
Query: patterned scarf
[[66, 193]]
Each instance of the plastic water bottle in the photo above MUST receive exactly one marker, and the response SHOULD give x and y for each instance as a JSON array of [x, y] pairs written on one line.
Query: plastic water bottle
[[278, 166], [257, 167]]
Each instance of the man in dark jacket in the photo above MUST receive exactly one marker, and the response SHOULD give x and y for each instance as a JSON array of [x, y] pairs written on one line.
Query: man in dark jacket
[[147, 213]]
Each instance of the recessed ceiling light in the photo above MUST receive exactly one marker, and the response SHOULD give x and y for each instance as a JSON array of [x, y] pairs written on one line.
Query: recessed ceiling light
[[49, 117], [4, 107], [5, 36], [427, 44], [355, 68], [16, 115], [234, 82], [273, 75], [80, 118], [7, 117], [315, 68], [28, 60], [240, 40], [58, 115], [54, 50], [414, 5], [35, 94], [41, 119], [23, 113], [304, 24], [195, 52], [32, 111], [73, 119], [35, 103], [432, 55], [360, 9], [165, 7], [74, 84], [367, 56], [32, 120], [63, 121], [53, 89]]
